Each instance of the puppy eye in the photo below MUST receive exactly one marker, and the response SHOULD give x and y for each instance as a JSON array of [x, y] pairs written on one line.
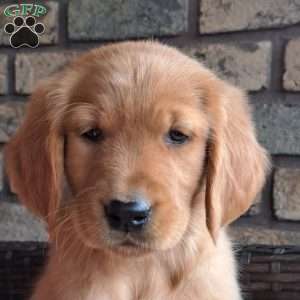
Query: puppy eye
[[177, 137], [93, 135]]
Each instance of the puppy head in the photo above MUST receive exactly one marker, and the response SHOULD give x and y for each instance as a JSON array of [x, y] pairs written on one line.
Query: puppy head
[[146, 140]]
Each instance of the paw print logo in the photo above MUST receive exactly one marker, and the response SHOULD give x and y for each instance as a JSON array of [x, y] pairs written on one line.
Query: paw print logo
[[24, 32]]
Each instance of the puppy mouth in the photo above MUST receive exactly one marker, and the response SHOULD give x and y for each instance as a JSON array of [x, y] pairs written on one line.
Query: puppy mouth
[[130, 243]]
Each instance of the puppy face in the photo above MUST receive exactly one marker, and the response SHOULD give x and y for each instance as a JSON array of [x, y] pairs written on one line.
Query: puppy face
[[149, 146], [146, 141]]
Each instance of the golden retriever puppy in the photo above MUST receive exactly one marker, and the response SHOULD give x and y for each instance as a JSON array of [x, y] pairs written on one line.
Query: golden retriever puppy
[[137, 157]]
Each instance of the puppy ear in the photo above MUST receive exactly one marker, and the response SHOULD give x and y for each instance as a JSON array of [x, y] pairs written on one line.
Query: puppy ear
[[34, 157], [236, 163]]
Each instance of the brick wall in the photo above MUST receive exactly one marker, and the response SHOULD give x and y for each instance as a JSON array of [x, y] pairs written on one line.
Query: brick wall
[[254, 44]]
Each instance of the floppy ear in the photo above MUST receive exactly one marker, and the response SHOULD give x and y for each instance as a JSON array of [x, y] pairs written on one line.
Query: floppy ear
[[236, 163], [34, 157]]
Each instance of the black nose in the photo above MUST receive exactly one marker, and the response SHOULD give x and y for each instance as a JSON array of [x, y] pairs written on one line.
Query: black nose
[[127, 216]]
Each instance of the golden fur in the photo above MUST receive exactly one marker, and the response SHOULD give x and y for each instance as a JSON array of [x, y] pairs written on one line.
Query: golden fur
[[135, 92]]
